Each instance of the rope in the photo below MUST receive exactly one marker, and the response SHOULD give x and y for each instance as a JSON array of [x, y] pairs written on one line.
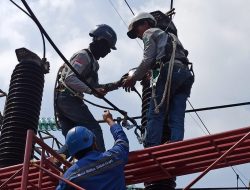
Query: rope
[[166, 93]]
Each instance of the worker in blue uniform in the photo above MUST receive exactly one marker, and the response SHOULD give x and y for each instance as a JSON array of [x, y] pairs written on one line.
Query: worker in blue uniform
[[171, 79], [96, 170]]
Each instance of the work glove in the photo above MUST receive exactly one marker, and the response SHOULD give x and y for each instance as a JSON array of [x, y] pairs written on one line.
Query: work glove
[[100, 92], [128, 83]]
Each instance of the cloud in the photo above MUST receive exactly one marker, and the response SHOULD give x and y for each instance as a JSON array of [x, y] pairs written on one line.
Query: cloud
[[215, 32]]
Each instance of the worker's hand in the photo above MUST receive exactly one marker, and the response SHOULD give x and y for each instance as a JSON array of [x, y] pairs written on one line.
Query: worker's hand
[[107, 116], [146, 79], [101, 92], [128, 83]]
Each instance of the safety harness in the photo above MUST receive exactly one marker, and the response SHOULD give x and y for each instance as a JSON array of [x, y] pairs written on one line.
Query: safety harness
[[155, 73], [62, 87]]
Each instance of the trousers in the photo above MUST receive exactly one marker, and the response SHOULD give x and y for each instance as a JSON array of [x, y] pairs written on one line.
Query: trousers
[[182, 81], [72, 112]]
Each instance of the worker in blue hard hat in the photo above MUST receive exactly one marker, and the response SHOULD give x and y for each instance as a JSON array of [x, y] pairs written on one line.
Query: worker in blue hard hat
[[70, 107], [96, 170]]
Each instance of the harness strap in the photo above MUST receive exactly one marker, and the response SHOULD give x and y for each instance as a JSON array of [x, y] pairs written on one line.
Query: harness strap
[[65, 88], [166, 93], [71, 91]]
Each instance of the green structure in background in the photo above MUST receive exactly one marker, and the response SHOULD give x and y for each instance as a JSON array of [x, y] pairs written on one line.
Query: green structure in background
[[47, 124], [132, 187]]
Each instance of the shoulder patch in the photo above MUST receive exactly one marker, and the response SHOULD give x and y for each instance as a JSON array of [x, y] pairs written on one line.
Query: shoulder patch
[[80, 60]]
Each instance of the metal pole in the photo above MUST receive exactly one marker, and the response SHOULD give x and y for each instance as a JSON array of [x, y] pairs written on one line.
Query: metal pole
[[59, 178], [41, 172], [26, 161], [12, 177]]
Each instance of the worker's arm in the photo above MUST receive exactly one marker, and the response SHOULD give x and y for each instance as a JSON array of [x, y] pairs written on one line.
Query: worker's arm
[[82, 65], [111, 86], [149, 55], [121, 146]]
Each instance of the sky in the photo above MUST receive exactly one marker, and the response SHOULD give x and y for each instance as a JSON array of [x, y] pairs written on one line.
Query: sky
[[215, 32]]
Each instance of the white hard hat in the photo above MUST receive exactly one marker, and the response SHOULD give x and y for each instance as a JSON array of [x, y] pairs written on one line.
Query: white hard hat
[[143, 15]]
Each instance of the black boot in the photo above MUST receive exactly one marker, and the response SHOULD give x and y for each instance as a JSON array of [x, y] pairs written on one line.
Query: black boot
[[166, 184]]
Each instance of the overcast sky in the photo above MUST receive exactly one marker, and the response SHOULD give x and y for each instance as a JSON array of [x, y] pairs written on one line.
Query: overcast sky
[[216, 33]]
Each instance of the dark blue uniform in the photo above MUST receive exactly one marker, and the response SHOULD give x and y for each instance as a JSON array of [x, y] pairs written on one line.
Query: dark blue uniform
[[101, 170]]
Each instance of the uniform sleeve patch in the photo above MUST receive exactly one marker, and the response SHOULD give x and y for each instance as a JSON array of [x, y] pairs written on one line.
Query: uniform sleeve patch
[[79, 62]]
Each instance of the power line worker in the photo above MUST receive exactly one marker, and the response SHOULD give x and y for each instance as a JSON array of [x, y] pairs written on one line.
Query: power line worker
[[171, 79], [94, 169], [70, 108]]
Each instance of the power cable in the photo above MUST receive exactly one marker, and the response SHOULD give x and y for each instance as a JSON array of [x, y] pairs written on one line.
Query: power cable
[[122, 20], [238, 177], [218, 107], [241, 174], [73, 70], [129, 7], [198, 124], [199, 117], [21, 9], [43, 40], [99, 106], [118, 13]]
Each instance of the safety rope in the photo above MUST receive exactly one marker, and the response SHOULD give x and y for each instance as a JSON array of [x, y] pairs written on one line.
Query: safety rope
[[166, 93]]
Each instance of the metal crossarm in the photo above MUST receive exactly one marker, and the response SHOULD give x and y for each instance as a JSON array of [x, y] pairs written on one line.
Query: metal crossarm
[[189, 156]]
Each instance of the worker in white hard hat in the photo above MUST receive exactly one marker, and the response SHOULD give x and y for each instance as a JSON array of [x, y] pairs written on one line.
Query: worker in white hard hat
[[171, 78]]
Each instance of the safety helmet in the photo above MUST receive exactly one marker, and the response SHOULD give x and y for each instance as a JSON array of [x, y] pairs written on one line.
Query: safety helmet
[[78, 138], [103, 31], [143, 15]]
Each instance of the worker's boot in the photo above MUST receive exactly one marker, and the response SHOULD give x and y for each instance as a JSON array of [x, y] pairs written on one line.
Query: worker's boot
[[166, 184]]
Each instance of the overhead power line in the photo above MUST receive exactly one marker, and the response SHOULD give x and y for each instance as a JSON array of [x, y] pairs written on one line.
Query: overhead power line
[[118, 13], [123, 20], [129, 7], [199, 118]]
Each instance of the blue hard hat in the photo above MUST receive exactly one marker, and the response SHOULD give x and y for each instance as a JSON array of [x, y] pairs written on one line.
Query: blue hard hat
[[78, 138], [104, 31]]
